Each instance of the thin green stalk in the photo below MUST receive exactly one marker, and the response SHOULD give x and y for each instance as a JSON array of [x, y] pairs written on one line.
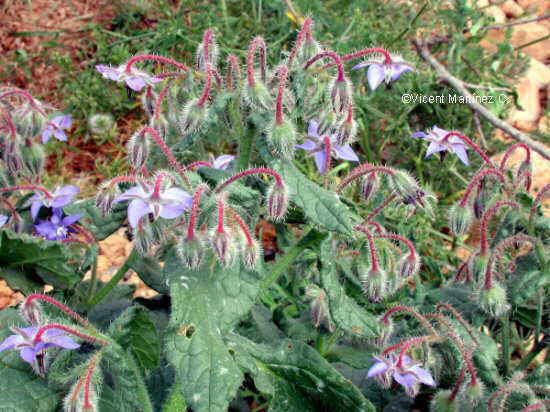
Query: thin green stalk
[[224, 13], [506, 344], [93, 281], [104, 291], [246, 140], [411, 24]]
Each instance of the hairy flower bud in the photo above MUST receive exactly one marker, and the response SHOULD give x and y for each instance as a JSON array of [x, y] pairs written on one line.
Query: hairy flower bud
[[190, 251], [224, 245], [473, 394], [340, 95], [193, 117], [409, 265], [326, 122], [369, 186], [441, 403], [407, 187], [375, 284], [282, 138], [346, 132], [460, 219], [144, 238], [251, 254], [161, 125], [105, 197], [309, 49], [277, 201], [100, 124], [258, 96], [12, 157], [138, 147], [320, 312], [477, 266], [28, 122], [148, 102], [33, 157], [31, 312], [493, 300]]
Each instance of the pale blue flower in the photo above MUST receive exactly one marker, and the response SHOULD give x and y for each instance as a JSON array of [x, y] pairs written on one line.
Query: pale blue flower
[[453, 144], [61, 197], [135, 79], [378, 71], [56, 128]]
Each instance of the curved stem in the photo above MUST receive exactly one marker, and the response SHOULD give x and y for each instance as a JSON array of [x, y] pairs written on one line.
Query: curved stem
[[233, 72], [485, 224], [457, 385], [220, 204], [207, 40], [370, 50], [400, 308], [257, 43], [540, 195], [477, 179], [458, 317], [194, 165], [376, 211], [202, 188], [511, 150], [374, 259], [26, 187], [337, 61], [243, 226], [92, 339], [249, 172], [305, 31], [470, 143], [26, 95], [156, 58], [87, 380], [361, 171], [59, 305], [160, 99], [406, 241]]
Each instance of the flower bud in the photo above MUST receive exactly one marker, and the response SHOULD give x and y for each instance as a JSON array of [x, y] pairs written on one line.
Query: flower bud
[[144, 238], [386, 331], [138, 147], [473, 394], [193, 117], [100, 124], [346, 132], [31, 312], [190, 251], [160, 124], [258, 96], [105, 197], [277, 201], [460, 219], [251, 254], [525, 168], [477, 266], [224, 245], [320, 312], [407, 188], [12, 157], [282, 138], [27, 122], [33, 157], [148, 102], [201, 59], [369, 186], [493, 300], [326, 122], [374, 284], [441, 402], [408, 265], [340, 95]]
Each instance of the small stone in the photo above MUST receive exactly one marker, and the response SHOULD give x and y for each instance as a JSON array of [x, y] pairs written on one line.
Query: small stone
[[512, 9]]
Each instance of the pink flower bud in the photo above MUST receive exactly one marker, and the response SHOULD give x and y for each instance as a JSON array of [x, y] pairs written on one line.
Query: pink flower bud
[[277, 201], [138, 150], [193, 116], [251, 254], [224, 245], [409, 265], [369, 186], [460, 219], [190, 251], [340, 95]]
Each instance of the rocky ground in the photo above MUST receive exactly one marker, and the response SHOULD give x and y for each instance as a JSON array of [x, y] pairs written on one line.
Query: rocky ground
[[533, 90]]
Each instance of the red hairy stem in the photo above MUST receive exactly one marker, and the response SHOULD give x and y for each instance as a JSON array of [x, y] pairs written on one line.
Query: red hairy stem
[[166, 75], [477, 179], [202, 188], [156, 58], [206, 41], [283, 72], [305, 31], [485, 223], [26, 95], [536, 406], [337, 61], [243, 227], [87, 338], [372, 249], [26, 187], [220, 204], [258, 170], [361, 171], [376, 225], [400, 308], [458, 317], [470, 143], [370, 50], [376, 211], [217, 77], [166, 150], [57, 304], [511, 150], [349, 119], [87, 380], [160, 99], [207, 86], [121, 179], [76, 390], [257, 44], [194, 165], [540, 195], [233, 69], [406, 241], [457, 385], [404, 346], [157, 186], [87, 235]]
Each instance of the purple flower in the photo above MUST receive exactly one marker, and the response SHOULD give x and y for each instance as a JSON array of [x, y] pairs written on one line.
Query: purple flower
[[61, 197], [55, 128], [408, 375], [378, 71], [317, 147], [453, 144], [135, 79], [57, 228], [3, 220], [222, 162], [168, 203], [23, 341]]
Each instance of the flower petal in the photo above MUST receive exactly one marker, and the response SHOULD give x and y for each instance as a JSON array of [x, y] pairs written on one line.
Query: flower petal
[[136, 210], [420, 135], [63, 200], [35, 208], [3, 220], [60, 135], [441, 133], [460, 151], [66, 190], [172, 211], [28, 354], [135, 83], [47, 134], [346, 153], [10, 342], [108, 72], [375, 75], [135, 192], [406, 379], [320, 161], [63, 341], [423, 375], [312, 128], [434, 148], [307, 145], [69, 220], [377, 369], [398, 69], [177, 195], [222, 162]]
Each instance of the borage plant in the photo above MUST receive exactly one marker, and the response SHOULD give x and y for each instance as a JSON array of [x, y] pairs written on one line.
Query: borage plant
[[228, 330]]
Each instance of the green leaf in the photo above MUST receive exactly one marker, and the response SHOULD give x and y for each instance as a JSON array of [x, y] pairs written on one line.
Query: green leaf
[[134, 330], [21, 281], [101, 226], [206, 304], [345, 312], [297, 377], [55, 263], [149, 270], [321, 206]]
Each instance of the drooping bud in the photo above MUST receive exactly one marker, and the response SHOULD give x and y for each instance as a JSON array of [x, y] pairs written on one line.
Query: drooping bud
[[251, 253], [138, 147], [346, 132], [375, 284], [27, 122], [340, 95], [320, 312], [386, 331], [105, 197], [369, 186], [442, 402], [258, 96], [193, 117], [460, 219], [33, 157], [12, 157], [477, 267], [525, 169], [31, 312], [144, 238], [282, 139], [148, 102], [493, 300], [160, 124], [277, 201], [207, 51], [473, 394], [406, 187], [190, 251], [409, 265], [100, 124], [308, 50], [224, 245]]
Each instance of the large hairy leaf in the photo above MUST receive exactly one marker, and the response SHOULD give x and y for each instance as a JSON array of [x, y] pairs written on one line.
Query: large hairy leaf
[[101, 226]]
